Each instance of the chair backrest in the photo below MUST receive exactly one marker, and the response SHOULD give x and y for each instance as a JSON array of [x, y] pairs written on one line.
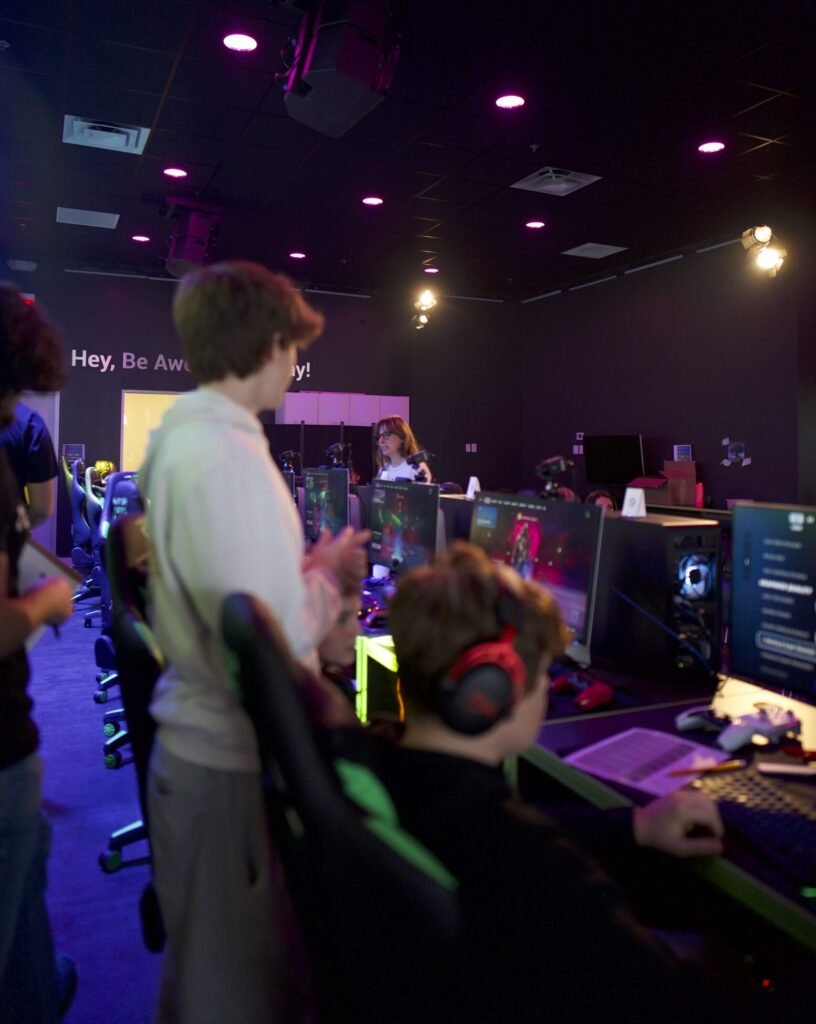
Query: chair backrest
[[80, 530], [121, 498], [138, 658], [381, 925]]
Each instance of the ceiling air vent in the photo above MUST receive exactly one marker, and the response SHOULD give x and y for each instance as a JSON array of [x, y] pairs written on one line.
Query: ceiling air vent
[[122, 138], [594, 250], [554, 181]]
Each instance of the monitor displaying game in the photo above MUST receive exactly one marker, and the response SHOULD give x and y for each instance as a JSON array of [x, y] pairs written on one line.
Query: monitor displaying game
[[404, 521], [613, 460], [325, 501], [773, 598], [555, 543]]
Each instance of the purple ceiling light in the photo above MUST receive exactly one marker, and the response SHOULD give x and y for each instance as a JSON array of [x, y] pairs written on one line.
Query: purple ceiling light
[[510, 102], [175, 172], [535, 224], [711, 147], [297, 255], [140, 238], [431, 270], [240, 43], [373, 201]]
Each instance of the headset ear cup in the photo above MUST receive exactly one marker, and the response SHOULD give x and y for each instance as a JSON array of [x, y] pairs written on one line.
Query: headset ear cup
[[482, 687]]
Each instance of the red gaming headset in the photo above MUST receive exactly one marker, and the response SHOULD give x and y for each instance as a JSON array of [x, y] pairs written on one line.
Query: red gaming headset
[[487, 680]]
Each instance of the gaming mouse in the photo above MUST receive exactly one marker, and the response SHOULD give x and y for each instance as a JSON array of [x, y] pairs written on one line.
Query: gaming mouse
[[596, 695]]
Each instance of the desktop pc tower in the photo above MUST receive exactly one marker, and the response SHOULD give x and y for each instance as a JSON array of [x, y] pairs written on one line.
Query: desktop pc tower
[[657, 610]]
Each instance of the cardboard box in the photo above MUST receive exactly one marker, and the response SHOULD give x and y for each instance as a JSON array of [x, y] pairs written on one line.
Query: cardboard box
[[674, 486]]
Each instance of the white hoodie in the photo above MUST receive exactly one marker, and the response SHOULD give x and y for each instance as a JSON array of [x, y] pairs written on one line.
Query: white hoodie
[[220, 519]]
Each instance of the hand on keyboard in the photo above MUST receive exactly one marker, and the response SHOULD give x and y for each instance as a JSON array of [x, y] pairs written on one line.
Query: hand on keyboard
[[684, 824]]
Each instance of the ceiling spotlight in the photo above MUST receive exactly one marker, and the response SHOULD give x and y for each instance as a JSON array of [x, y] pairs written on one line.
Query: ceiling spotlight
[[711, 147], [770, 258], [174, 172], [431, 270], [425, 301], [240, 43], [297, 255], [536, 224], [420, 321], [140, 238], [373, 201], [756, 236], [510, 102]]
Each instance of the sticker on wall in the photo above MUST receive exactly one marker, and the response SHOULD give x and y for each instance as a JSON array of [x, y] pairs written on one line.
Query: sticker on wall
[[735, 454]]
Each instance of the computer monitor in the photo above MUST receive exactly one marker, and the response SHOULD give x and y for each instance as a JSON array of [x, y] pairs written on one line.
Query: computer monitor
[[773, 598], [552, 542], [404, 524], [325, 501], [613, 460]]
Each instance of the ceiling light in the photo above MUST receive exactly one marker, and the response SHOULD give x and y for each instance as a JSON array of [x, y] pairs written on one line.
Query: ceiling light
[[770, 258], [420, 320], [25, 266], [534, 224], [760, 235], [431, 270], [711, 147], [174, 172], [425, 301], [240, 43], [373, 201], [510, 102], [297, 255], [140, 238]]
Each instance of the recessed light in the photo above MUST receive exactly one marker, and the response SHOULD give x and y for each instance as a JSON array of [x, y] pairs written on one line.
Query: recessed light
[[534, 224], [240, 43], [373, 201], [711, 147], [140, 238], [510, 102], [297, 255], [174, 172], [431, 270]]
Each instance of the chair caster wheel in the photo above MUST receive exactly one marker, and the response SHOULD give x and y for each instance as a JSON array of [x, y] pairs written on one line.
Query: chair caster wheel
[[101, 696], [110, 861], [110, 728], [113, 759]]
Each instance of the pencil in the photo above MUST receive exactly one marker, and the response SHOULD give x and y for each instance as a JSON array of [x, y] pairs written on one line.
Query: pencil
[[723, 766]]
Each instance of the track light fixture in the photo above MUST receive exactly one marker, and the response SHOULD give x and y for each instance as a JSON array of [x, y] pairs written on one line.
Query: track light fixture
[[424, 304], [763, 249]]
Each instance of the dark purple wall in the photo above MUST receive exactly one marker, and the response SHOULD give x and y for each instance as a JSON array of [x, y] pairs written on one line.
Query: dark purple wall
[[689, 352]]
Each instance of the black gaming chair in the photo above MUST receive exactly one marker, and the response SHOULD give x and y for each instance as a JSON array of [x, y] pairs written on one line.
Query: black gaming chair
[[379, 913], [81, 554], [140, 665]]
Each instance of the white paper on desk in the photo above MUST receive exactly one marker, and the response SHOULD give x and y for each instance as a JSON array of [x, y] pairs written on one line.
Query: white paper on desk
[[645, 758], [37, 563]]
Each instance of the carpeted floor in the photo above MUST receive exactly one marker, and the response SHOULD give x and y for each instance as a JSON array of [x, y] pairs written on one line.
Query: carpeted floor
[[94, 916]]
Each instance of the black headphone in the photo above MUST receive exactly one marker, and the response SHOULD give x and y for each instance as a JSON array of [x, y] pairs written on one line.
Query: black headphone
[[487, 680]]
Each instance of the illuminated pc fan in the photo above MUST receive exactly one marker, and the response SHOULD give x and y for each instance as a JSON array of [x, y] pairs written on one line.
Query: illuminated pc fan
[[696, 575]]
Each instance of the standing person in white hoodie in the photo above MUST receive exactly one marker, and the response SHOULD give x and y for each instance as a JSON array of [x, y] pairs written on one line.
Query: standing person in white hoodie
[[221, 519]]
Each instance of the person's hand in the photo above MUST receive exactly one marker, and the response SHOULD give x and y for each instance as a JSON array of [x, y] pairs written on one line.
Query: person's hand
[[55, 595], [685, 824], [343, 556]]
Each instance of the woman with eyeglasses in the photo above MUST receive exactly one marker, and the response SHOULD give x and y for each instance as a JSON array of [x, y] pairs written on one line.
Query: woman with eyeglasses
[[395, 445]]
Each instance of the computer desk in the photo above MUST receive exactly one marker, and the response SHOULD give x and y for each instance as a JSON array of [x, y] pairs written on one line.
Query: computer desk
[[563, 736]]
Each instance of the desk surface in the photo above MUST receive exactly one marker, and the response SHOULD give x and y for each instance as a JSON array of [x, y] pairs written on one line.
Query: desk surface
[[797, 918]]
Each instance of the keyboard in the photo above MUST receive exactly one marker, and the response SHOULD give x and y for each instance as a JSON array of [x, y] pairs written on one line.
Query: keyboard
[[778, 825]]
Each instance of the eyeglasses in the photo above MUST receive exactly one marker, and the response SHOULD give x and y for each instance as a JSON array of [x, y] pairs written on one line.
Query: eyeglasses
[[384, 435]]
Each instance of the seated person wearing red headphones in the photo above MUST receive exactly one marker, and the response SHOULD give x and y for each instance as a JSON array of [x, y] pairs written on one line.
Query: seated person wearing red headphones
[[547, 935]]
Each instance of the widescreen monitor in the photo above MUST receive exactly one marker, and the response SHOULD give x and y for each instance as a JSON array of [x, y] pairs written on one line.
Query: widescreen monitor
[[404, 524], [325, 501], [773, 598], [555, 543], [613, 460]]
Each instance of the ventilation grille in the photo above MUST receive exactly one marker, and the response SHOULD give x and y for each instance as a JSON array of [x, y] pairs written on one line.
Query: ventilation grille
[[554, 181], [594, 250], [122, 138]]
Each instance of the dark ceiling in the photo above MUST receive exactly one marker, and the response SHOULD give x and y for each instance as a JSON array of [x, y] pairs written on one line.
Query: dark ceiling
[[623, 91]]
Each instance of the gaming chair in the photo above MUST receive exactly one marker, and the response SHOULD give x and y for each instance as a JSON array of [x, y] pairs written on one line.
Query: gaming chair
[[379, 913]]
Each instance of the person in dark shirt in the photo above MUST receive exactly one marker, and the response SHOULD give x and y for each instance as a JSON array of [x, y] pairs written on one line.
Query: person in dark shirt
[[31, 456], [547, 935], [35, 987]]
